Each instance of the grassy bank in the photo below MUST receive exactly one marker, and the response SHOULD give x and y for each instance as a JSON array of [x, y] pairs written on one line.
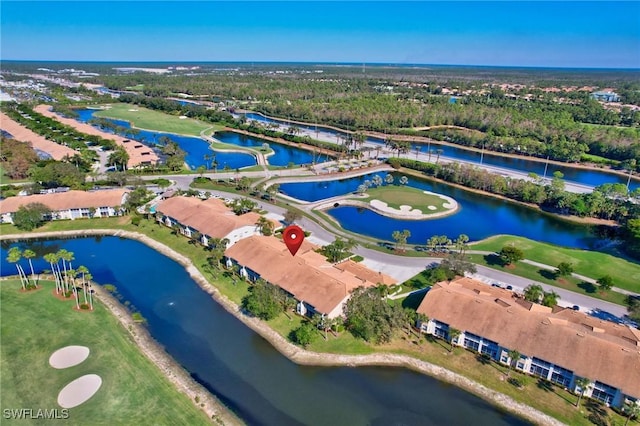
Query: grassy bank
[[549, 399], [144, 118], [592, 264], [133, 391]]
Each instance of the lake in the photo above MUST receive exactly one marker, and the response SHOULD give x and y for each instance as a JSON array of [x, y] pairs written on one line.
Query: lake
[[245, 371], [478, 216], [572, 174]]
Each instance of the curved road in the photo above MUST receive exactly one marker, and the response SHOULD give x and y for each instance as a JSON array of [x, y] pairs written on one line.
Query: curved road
[[403, 268]]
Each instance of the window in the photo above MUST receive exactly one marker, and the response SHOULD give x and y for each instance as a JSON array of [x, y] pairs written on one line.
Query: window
[[540, 368], [471, 341], [441, 330], [561, 376], [490, 348], [603, 392]]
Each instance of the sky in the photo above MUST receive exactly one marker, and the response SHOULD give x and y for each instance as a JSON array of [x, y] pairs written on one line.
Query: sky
[[506, 33]]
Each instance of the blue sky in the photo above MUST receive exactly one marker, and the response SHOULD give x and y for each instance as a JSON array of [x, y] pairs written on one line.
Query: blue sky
[[553, 34]]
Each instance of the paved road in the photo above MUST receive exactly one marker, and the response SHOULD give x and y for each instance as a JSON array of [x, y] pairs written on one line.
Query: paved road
[[403, 268], [429, 158]]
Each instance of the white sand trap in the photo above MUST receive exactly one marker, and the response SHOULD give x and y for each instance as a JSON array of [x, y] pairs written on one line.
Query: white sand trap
[[432, 208], [68, 356], [182, 117], [133, 110], [79, 391]]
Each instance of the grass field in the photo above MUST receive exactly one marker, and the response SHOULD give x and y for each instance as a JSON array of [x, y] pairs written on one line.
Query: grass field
[[133, 391], [144, 118], [592, 264], [551, 400], [397, 195]]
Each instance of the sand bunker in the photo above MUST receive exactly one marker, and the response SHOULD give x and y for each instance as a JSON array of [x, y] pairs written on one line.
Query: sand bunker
[[432, 207], [404, 210], [68, 356], [79, 391]]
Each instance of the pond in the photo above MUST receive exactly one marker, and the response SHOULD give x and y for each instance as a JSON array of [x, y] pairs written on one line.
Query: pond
[[283, 154], [245, 371], [195, 148], [572, 174], [478, 216]]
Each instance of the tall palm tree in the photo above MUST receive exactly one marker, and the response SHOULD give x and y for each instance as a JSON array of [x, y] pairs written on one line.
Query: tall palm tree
[[83, 271], [454, 333], [421, 318], [534, 293], [30, 254], [52, 258], [582, 383], [14, 255]]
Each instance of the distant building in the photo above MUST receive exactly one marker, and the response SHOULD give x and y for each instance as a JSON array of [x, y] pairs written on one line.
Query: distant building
[[318, 286], [70, 204], [606, 96], [558, 345]]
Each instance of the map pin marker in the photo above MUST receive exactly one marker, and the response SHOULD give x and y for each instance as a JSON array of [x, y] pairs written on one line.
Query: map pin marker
[[293, 236]]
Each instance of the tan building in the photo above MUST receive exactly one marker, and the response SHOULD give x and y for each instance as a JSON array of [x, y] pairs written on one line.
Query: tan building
[[559, 345], [316, 284], [37, 142], [139, 154], [69, 204], [211, 218]]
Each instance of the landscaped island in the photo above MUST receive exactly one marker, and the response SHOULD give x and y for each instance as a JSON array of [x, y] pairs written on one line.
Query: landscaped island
[[403, 202]]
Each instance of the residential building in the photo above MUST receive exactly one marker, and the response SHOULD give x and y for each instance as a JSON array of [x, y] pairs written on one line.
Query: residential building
[[70, 204], [210, 218], [318, 286], [557, 344], [140, 155], [606, 96]]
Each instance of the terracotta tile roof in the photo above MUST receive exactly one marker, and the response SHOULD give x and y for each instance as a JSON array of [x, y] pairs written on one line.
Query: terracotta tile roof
[[67, 200], [138, 153], [307, 276], [591, 348], [211, 217], [21, 133]]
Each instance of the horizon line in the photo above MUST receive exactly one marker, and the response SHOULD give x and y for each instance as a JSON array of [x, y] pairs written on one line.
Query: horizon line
[[390, 64]]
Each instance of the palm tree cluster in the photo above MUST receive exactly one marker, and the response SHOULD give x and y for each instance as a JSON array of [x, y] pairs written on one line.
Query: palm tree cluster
[[14, 256], [68, 281]]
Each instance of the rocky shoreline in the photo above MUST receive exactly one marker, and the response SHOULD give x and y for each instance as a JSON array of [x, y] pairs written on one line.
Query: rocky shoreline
[[214, 408]]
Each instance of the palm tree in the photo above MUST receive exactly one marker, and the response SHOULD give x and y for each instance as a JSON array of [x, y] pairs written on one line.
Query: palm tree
[[514, 356], [421, 319], [83, 271], [265, 226], [550, 299], [582, 383], [52, 258], [383, 290], [30, 254], [631, 409], [461, 243], [454, 333], [14, 256], [533, 293]]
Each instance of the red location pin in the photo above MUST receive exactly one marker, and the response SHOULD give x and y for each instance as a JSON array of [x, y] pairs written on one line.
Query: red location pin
[[293, 236]]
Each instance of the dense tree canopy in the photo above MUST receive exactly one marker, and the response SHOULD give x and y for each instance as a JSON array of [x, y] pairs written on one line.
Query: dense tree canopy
[[31, 216], [371, 318]]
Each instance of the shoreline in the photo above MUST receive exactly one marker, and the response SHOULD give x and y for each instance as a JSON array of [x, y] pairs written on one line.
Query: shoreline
[[289, 350], [568, 218], [425, 139]]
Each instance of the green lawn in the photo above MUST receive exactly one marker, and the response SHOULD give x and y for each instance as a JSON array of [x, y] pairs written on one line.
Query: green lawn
[[534, 273], [133, 391], [592, 264], [553, 401], [397, 195], [144, 118]]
